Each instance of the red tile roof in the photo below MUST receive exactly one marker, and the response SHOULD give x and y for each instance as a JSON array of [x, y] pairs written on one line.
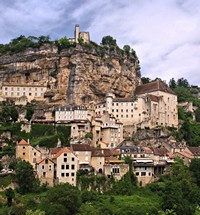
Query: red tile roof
[[23, 142], [153, 86], [185, 154], [62, 151], [55, 150]]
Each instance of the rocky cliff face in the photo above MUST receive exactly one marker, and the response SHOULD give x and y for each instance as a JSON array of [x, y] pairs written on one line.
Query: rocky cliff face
[[76, 75]]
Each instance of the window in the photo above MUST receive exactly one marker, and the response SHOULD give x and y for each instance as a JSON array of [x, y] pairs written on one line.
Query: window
[[24, 147], [18, 93], [44, 174], [29, 89], [72, 174], [62, 166], [72, 159], [6, 88], [29, 94], [72, 166], [12, 93], [127, 110], [35, 89], [67, 174], [35, 94], [62, 174], [143, 173], [65, 154], [23, 153], [42, 166], [24, 93], [115, 170], [121, 110], [121, 116], [6, 93], [34, 153], [12, 88], [67, 166], [137, 174], [65, 159]]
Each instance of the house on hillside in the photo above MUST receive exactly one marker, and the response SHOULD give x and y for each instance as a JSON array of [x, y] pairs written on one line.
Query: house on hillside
[[28, 153], [154, 104]]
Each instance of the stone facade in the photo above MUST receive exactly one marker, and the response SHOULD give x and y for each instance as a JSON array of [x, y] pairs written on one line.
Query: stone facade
[[154, 104]]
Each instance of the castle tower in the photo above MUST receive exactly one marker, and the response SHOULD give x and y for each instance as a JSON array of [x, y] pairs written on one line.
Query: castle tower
[[76, 33]]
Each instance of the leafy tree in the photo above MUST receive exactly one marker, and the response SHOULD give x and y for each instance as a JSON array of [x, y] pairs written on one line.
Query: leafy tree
[[14, 114], [6, 114], [145, 80], [172, 83], [10, 194], [182, 82], [108, 41], [64, 198], [197, 114], [37, 212], [25, 177], [127, 49], [195, 169], [29, 113]]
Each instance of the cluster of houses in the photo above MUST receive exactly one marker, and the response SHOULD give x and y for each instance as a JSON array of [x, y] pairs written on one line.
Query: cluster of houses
[[60, 164]]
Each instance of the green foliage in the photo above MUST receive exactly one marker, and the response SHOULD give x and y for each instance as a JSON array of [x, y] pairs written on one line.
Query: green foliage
[[89, 135], [126, 185], [21, 43], [37, 212], [127, 49], [29, 113], [14, 114], [108, 41], [145, 80], [197, 114], [5, 180], [10, 194], [172, 83], [25, 177], [195, 169], [62, 199]]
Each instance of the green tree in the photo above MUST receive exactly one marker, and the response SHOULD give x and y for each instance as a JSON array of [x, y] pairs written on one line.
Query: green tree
[[195, 169], [172, 83], [182, 82], [14, 114], [10, 194], [108, 41], [25, 177], [127, 49], [65, 197], [145, 80], [37, 212], [197, 114], [29, 113]]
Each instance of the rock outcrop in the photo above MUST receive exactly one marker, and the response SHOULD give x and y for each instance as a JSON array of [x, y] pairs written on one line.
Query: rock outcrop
[[76, 75]]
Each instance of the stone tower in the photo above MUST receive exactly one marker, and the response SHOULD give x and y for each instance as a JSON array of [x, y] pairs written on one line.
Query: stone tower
[[76, 33]]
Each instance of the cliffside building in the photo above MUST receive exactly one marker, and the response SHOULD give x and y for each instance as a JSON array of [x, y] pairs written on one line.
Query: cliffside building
[[80, 35], [155, 104], [29, 91]]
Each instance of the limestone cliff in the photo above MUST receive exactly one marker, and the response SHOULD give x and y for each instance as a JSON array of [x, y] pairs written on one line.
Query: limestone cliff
[[76, 75]]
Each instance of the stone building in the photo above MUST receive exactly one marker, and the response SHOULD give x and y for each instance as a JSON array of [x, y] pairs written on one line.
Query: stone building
[[75, 116], [28, 153], [46, 171], [154, 104], [66, 166], [85, 36], [107, 131], [30, 91]]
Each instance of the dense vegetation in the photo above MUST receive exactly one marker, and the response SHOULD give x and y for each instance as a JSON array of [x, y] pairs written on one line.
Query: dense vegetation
[[42, 135], [176, 193]]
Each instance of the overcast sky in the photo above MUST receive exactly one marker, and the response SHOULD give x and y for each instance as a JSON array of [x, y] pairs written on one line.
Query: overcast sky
[[164, 33]]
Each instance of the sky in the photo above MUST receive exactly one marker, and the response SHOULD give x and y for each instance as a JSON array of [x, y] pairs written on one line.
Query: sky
[[164, 33]]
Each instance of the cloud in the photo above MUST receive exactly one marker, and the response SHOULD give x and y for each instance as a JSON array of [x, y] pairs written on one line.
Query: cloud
[[164, 34]]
